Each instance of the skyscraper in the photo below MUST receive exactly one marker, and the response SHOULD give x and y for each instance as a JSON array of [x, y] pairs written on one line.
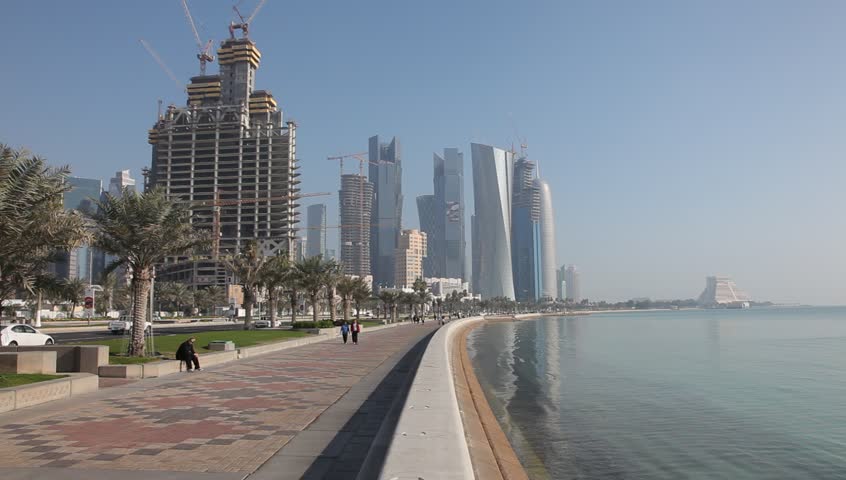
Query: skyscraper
[[526, 248], [229, 143], [561, 283], [84, 262], [574, 287], [427, 214], [316, 233], [356, 202], [386, 176], [492, 181], [549, 288], [119, 182], [445, 226], [409, 258]]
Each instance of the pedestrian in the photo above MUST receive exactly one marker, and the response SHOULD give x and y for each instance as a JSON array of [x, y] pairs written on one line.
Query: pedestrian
[[185, 353], [355, 329], [345, 330]]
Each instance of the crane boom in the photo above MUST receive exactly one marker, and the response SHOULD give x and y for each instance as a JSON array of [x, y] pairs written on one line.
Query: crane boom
[[161, 63], [258, 7], [191, 22]]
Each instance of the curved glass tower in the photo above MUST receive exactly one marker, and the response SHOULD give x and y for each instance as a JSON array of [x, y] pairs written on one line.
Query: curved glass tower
[[547, 233], [492, 176]]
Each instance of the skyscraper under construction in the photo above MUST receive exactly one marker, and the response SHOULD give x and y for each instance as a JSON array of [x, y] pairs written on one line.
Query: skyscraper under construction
[[356, 203], [229, 154]]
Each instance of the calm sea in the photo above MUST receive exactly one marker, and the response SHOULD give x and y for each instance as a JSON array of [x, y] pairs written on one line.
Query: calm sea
[[700, 394]]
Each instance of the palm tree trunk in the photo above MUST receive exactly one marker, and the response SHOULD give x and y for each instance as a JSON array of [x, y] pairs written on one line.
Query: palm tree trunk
[[140, 292], [314, 302], [73, 308], [358, 311], [330, 292], [273, 301], [293, 306], [346, 309]]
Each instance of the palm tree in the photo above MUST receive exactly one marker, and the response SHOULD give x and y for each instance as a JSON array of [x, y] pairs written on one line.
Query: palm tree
[[35, 225], [109, 283], [346, 289], [314, 273], [73, 291], [360, 294], [294, 287], [275, 275], [331, 284], [390, 298], [141, 230], [247, 267]]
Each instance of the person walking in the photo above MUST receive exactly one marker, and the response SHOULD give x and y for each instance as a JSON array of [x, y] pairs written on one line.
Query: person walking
[[345, 331], [185, 353], [355, 329]]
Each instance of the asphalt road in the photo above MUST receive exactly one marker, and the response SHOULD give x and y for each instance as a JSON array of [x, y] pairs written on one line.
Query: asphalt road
[[105, 334]]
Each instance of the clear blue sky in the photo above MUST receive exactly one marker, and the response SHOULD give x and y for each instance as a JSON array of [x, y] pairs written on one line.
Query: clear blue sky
[[681, 139]]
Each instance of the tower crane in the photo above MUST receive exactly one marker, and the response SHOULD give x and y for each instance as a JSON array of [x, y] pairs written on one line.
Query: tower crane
[[244, 26], [204, 54]]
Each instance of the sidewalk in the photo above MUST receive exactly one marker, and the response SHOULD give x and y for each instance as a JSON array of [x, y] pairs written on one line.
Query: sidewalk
[[223, 423]]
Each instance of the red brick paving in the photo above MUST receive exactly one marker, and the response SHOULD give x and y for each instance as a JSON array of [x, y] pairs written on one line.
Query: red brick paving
[[230, 419]]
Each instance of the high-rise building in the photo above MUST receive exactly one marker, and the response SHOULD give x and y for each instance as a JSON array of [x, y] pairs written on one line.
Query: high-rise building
[[475, 252], [561, 282], [356, 202], [84, 262], [442, 217], [427, 214], [119, 182], [492, 182], [316, 234], [548, 289], [229, 143], [409, 258], [526, 232], [574, 288], [722, 291], [386, 176]]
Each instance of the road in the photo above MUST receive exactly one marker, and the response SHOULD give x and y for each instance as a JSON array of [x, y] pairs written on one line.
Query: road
[[105, 334]]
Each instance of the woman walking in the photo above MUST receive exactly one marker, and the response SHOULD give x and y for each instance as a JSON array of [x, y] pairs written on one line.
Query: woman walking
[[355, 329]]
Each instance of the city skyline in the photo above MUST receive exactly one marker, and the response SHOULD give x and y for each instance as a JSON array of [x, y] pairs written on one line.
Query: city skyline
[[639, 128]]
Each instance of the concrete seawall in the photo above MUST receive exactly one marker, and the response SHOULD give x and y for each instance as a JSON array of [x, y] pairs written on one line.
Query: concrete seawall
[[446, 429]]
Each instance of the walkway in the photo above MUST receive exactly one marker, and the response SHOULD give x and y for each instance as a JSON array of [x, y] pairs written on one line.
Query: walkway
[[224, 423]]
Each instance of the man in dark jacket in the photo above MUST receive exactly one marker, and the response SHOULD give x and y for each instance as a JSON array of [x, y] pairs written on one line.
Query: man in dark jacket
[[186, 353]]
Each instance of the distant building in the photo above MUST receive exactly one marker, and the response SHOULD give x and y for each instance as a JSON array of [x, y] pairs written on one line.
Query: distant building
[[409, 258], [385, 175], [492, 182], [299, 250], [561, 283], [442, 217], [316, 233], [574, 288], [526, 249], [331, 254], [441, 287], [355, 201], [722, 291], [83, 262], [122, 180], [427, 214], [549, 287]]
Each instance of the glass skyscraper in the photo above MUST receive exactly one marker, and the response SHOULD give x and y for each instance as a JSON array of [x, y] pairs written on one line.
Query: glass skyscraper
[[442, 218], [385, 175], [492, 182]]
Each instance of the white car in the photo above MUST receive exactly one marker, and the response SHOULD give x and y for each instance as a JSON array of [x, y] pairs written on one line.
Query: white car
[[17, 334], [124, 324]]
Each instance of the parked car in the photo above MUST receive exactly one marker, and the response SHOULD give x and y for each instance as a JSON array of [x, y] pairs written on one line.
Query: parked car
[[124, 324], [262, 323], [18, 334]]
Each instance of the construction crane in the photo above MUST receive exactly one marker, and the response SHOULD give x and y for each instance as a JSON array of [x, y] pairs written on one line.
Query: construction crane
[[244, 26], [204, 54], [217, 203], [161, 63]]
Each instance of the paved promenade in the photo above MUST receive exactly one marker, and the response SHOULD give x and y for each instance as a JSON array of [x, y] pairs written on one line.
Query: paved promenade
[[225, 422]]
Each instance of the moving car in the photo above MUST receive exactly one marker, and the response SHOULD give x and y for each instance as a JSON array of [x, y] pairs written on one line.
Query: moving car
[[262, 323], [16, 334], [124, 324]]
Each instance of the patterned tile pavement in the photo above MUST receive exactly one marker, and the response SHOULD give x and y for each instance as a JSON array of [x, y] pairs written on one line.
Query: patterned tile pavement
[[231, 418]]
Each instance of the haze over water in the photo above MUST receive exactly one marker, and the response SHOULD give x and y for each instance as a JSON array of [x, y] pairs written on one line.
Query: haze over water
[[740, 394]]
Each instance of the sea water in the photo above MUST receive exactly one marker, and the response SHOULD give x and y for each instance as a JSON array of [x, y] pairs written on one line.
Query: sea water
[[697, 394]]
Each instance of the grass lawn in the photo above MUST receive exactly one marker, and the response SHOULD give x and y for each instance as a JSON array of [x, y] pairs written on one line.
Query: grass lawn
[[371, 323], [15, 379], [167, 344], [115, 359]]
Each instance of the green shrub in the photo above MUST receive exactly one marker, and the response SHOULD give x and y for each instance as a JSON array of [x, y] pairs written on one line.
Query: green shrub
[[320, 324]]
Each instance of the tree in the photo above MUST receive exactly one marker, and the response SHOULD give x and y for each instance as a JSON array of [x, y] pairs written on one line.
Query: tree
[[346, 289], [360, 294], [390, 298], [73, 291], [141, 230], [174, 295], [35, 225], [247, 267], [331, 283], [313, 274], [275, 276], [109, 283], [294, 287]]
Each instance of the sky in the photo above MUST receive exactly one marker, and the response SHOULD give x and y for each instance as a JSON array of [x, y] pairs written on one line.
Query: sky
[[681, 139]]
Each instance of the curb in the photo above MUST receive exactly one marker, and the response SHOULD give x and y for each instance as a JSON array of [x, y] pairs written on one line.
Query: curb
[[15, 398]]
